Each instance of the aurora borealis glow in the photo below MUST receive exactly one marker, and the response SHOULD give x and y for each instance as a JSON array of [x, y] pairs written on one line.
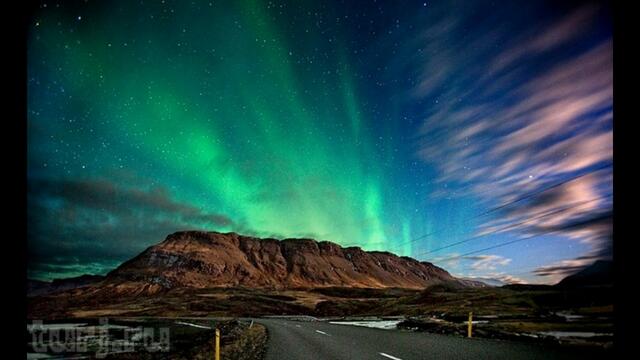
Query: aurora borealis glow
[[283, 119]]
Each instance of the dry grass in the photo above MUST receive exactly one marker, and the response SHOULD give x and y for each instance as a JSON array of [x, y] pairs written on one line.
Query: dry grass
[[250, 345]]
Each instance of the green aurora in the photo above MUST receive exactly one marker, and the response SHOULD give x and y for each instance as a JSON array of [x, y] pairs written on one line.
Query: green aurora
[[392, 126], [225, 111]]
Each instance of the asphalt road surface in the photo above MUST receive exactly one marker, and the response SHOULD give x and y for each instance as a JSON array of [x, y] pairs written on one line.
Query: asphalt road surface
[[290, 339]]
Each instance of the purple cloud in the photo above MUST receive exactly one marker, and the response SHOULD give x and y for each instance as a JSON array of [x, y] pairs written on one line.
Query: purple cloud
[[530, 116]]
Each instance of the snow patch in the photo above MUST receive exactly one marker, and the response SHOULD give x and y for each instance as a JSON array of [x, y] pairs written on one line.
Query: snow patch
[[380, 324]]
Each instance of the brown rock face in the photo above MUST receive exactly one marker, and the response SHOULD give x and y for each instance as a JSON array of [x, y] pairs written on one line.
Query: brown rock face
[[209, 259]]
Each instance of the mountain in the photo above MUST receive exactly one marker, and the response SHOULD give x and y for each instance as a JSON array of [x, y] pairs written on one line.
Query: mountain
[[597, 274], [195, 259], [37, 287], [483, 282]]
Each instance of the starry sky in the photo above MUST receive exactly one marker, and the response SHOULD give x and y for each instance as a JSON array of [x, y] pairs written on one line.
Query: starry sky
[[473, 134]]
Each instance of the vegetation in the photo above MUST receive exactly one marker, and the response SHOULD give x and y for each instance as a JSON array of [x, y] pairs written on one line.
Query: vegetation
[[504, 312]]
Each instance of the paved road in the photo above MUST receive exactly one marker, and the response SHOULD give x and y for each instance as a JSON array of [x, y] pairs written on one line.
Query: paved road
[[289, 339]]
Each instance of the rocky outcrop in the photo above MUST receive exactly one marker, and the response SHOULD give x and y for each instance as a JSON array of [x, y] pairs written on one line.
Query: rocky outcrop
[[210, 259]]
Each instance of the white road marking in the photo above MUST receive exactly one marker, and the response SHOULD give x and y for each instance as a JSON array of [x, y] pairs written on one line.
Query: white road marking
[[389, 356], [322, 332], [298, 326], [194, 325]]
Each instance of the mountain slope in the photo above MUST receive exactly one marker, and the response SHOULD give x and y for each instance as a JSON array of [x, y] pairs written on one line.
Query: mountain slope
[[36, 287], [209, 259], [597, 274]]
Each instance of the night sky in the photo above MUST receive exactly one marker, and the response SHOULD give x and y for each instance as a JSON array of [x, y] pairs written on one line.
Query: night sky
[[476, 135]]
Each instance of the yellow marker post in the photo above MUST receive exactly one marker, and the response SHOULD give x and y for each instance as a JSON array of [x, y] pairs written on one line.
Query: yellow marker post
[[470, 324], [217, 344]]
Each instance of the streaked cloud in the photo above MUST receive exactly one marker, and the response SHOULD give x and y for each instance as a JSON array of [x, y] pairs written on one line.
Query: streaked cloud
[[523, 122], [487, 262]]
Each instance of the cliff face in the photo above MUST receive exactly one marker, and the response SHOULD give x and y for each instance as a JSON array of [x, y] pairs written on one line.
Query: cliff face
[[209, 259]]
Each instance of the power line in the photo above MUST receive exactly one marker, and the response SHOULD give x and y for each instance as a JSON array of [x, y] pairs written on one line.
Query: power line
[[401, 244], [538, 192], [508, 227], [525, 197], [553, 212], [412, 241], [499, 245], [496, 246]]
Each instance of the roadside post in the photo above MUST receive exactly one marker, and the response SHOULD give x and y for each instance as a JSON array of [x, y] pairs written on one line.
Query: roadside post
[[217, 344], [470, 324]]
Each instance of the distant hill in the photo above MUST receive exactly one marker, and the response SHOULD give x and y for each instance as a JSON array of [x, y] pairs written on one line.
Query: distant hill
[[37, 287], [481, 281], [599, 273]]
